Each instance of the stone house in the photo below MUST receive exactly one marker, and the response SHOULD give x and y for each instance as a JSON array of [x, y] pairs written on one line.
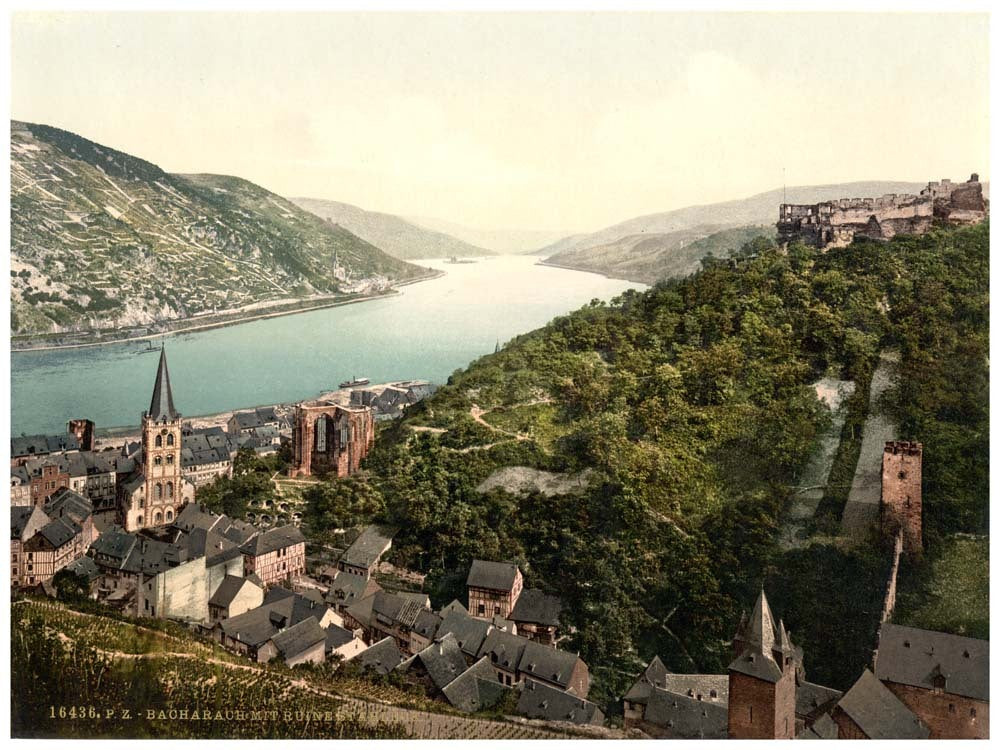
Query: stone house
[[381, 657], [343, 643], [869, 710], [346, 589], [943, 679], [494, 588], [249, 422], [515, 658], [234, 596], [403, 616], [276, 555], [302, 643], [362, 557], [536, 615]]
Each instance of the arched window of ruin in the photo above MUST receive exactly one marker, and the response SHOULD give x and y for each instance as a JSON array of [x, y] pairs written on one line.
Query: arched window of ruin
[[170, 439], [320, 434]]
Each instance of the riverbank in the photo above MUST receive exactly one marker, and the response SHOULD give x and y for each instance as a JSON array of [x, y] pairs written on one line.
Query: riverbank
[[614, 277], [219, 320]]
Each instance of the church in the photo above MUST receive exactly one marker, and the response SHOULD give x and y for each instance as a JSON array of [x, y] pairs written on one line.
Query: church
[[155, 491]]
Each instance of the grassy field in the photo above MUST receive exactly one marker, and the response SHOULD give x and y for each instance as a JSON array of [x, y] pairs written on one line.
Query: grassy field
[[949, 590]]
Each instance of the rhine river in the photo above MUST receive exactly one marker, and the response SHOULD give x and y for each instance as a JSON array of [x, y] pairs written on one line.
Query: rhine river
[[426, 332]]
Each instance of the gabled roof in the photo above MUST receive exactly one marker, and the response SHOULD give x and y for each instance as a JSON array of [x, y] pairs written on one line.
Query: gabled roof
[[911, 656], [369, 546], [85, 567], [362, 610], [115, 543], [824, 728], [64, 502], [504, 649], [196, 516], [299, 637], [337, 636], [811, 698], [879, 713], [536, 607], [29, 445], [427, 623], [382, 657], [346, 589], [469, 631], [24, 516], [393, 609], [497, 576], [547, 663], [442, 659], [58, 532], [686, 718], [541, 701], [273, 539], [454, 606], [653, 676], [161, 405], [712, 688], [476, 689], [228, 590]]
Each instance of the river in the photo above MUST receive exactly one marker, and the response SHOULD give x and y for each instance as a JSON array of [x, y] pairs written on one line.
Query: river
[[426, 332]]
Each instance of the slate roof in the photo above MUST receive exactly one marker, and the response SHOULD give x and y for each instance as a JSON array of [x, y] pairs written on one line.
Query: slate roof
[[299, 637], [337, 636], [911, 656], [115, 543], [66, 502], [346, 589], [536, 607], [540, 701], [454, 606], [29, 445], [476, 689], [811, 698], [272, 539], [59, 532], [497, 576], [369, 547], [686, 718], [547, 663], [824, 728], [713, 688], [20, 515], [191, 457], [281, 609], [426, 624], [442, 659], [227, 591], [654, 675], [85, 567], [392, 609], [879, 713], [362, 610], [151, 557], [382, 657], [504, 649], [469, 631], [210, 544], [161, 405]]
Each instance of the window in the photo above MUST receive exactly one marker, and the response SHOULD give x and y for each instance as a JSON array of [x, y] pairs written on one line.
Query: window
[[138, 520], [158, 518], [170, 515], [159, 491], [951, 708], [170, 489], [158, 461], [170, 458], [482, 609], [170, 439], [751, 713], [972, 713], [158, 442], [902, 475]]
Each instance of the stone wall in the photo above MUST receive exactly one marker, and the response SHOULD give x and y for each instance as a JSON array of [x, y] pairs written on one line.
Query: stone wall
[[948, 716], [901, 503]]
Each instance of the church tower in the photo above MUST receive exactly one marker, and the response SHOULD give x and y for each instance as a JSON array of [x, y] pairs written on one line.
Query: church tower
[[762, 678], [901, 506], [153, 496]]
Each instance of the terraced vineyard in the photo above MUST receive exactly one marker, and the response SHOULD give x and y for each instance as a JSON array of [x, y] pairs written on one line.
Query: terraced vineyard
[[86, 675]]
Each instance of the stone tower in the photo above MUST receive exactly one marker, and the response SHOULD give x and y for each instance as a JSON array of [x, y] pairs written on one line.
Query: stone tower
[[157, 491], [902, 505], [762, 678]]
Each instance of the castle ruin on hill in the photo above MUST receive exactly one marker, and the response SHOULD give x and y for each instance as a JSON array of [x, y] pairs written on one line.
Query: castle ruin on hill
[[836, 223]]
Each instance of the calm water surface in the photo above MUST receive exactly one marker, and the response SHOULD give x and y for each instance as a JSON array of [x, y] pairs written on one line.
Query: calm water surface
[[427, 332]]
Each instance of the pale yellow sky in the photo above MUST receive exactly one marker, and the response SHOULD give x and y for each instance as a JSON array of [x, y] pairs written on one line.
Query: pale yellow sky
[[546, 121]]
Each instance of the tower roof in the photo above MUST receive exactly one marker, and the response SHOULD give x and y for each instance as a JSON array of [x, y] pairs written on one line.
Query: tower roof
[[161, 406], [760, 630]]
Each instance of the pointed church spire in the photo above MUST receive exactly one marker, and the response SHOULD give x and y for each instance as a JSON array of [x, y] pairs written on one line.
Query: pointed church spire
[[161, 406], [760, 629]]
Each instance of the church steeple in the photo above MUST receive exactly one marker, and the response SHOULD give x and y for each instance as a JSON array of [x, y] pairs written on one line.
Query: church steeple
[[161, 406]]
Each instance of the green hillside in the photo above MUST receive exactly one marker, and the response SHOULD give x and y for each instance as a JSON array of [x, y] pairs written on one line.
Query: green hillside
[[101, 239], [649, 258], [691, 405]]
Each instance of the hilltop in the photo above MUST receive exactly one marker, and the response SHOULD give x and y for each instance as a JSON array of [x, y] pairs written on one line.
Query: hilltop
[[101, 239], [680, 420], [513, 241], [703, 220], [398, 237], [648, 258]]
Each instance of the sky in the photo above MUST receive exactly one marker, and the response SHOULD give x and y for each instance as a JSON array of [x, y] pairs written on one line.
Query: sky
[[555, 121]]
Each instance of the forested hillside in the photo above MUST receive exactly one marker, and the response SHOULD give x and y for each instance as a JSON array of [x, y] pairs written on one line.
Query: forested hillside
[[691, 404]]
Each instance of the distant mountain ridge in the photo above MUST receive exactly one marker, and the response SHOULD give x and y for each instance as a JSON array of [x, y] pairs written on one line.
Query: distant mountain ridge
[[101, 239], [513, 241], [396, 236]]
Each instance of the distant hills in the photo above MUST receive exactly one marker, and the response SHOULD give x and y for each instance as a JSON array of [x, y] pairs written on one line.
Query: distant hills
[[102, 239], [645, 248], [398, 237], [647, 258], [512, 241]]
